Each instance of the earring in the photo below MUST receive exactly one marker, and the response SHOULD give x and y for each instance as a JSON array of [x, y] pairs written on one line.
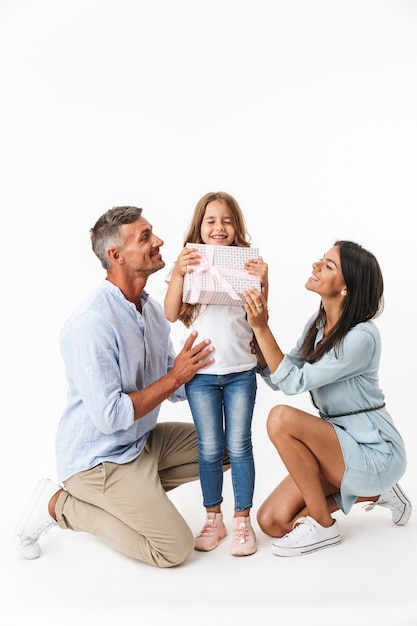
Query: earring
[[343, 292]]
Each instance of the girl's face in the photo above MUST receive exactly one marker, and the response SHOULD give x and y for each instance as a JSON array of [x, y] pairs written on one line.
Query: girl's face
[[217, 226], [327, 278]]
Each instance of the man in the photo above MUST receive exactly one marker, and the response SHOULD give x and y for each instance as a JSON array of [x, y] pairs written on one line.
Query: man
[[115, 463]]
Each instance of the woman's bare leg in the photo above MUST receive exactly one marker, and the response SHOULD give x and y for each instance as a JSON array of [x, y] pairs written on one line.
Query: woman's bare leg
[[311, 452]]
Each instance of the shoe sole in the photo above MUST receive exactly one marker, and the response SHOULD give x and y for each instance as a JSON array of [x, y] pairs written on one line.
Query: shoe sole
[[408, 509], [243, 553], [282, 551]]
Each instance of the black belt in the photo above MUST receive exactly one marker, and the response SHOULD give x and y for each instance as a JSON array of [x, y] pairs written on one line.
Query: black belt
[[373, 408]]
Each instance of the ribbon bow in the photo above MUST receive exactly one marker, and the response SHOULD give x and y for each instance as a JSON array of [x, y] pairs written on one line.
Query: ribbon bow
[[214, 274]]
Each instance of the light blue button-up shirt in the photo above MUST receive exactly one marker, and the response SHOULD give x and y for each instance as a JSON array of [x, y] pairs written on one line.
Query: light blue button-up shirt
[[110, 350]]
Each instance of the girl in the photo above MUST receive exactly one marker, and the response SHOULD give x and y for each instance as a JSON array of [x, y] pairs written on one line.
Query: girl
[[222, 399], [353, 450]]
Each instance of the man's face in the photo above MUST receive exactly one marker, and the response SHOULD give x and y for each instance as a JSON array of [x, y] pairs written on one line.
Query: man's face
[[140, 251]]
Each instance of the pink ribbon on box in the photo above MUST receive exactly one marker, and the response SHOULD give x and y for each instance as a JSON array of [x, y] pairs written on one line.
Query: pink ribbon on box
[[213, 274]]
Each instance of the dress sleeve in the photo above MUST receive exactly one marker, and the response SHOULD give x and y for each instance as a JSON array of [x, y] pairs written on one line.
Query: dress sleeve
[[353, 357]]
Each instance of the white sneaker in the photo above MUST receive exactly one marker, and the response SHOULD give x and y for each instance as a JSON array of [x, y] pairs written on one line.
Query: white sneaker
[[306, 536], [36, 520], [396, 500]]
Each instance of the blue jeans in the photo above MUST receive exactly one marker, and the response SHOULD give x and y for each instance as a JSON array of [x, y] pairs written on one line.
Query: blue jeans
[[222, 410]]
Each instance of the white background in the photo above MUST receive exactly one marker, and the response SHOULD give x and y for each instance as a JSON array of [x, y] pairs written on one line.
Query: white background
[[305, 111]]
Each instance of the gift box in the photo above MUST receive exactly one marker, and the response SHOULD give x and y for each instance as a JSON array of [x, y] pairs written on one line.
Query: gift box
[[220, 277]]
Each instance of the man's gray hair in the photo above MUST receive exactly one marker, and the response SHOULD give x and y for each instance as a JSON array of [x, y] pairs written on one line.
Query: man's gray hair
[[106, 231]]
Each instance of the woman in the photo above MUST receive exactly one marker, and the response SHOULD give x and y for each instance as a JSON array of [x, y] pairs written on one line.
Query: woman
[[353, 450]]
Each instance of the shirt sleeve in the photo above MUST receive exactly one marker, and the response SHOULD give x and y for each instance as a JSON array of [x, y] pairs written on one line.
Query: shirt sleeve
[[97, 375]]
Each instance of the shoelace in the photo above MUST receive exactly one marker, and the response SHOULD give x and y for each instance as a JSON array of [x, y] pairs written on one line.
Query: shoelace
[[209, 529], [371, 505], [241, 532], [301, 527], [394, 506], [34, 536]]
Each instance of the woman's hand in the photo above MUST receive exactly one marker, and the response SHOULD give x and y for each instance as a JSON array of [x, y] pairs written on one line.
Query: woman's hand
[[256, 308], [268, 351]]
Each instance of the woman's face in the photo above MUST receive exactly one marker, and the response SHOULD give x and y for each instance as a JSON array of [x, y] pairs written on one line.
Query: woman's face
[[326, 278], [217, 225]]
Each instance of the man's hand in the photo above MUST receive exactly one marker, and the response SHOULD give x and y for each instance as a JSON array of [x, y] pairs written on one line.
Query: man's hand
[[188, 362], [191, 359]]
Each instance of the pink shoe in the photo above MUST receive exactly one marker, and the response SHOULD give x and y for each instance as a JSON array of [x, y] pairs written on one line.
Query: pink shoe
[[244, 540], [212, 533]]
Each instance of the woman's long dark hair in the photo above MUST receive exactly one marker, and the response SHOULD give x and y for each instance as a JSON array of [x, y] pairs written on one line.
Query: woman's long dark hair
[[364, 300]]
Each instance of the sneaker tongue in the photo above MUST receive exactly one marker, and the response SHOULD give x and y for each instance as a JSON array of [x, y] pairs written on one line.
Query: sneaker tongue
[[241, 532], [302, 525], [301, 520]]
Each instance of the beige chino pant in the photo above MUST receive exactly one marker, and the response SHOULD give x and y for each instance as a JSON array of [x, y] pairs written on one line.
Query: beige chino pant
[[126, 506]]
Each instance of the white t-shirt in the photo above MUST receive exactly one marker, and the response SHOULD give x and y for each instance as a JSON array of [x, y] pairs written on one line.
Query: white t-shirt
[[230, 334]]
